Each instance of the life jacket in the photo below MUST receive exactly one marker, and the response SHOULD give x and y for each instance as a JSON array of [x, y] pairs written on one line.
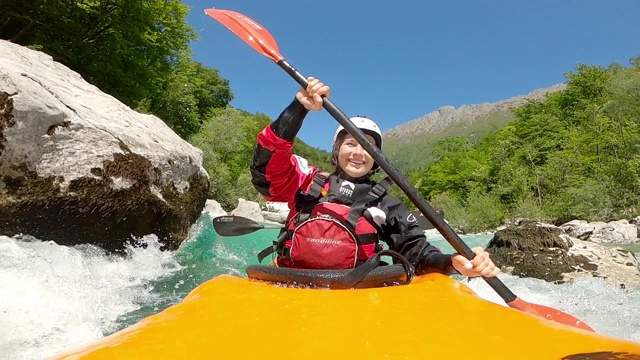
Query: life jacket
[[329, 229]]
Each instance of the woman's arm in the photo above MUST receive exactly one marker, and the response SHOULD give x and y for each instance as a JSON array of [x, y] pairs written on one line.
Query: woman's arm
[[276, 172], [403, 235], [406, 238]]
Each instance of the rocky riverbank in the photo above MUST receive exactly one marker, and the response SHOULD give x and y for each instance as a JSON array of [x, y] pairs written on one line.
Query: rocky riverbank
[[564, 253], [556, 254]]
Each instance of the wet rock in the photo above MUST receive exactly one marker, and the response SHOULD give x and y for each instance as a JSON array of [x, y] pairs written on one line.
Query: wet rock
[[78, 166], [545, 252], [530, 250]]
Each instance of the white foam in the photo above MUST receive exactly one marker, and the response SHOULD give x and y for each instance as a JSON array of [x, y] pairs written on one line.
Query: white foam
[[607, 309], [53, 297]]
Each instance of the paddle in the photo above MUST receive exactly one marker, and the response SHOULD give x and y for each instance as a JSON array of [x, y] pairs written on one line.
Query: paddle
[[261, 40], [237, 225]]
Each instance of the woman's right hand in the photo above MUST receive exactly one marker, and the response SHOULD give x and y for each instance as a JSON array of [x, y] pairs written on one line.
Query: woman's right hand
[[311, 97]]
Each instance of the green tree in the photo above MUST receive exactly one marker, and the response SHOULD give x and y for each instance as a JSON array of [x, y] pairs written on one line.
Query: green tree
[[625, 99], [126, 48], [448, 146], [458, 173], [190, 92], [480, 211], [225, 145]]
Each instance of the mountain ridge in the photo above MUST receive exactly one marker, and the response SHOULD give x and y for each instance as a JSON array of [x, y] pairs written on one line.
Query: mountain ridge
[[409, 144], [446, 116]]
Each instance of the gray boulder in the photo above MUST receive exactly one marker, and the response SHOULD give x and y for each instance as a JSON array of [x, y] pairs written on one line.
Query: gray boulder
[[248, 209], [616, 265], [276, 212], [618, 231], [535, 250], [213, 209], [546, 252], [78, 166]]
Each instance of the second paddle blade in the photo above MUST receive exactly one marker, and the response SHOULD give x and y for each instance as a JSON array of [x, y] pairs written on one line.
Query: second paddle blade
[[230, 225]]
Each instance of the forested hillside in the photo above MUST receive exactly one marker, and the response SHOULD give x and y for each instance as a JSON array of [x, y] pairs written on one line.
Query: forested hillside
[[573, 155], [138, 52], [416, 152], [410, 144], [227, 140]]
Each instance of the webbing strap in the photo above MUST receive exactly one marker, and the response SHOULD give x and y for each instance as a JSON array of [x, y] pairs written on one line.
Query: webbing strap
[[359, 273], [310, 199], [358, 207], [319, 179], [266, 252], [278, 244]]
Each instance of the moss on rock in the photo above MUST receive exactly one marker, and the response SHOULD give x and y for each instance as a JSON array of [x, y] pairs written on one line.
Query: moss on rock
[[95, 210], [6, 115], [537, 252]]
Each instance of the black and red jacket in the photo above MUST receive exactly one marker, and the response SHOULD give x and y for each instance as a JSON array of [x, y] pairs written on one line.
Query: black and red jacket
[[279, 175]]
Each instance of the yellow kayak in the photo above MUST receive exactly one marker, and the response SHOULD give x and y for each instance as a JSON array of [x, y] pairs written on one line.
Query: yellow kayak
[[434, 317]]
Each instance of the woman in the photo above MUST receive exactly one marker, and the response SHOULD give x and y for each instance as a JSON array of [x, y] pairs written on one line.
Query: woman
[[337, 220]]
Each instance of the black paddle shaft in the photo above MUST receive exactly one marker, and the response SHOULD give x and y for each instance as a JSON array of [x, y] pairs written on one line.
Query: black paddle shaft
[[427, 210]]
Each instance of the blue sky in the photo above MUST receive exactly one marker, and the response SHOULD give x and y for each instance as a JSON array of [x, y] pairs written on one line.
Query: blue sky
[[395, 61]]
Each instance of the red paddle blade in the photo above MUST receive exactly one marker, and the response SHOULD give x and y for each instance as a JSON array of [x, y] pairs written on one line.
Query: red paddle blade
[[549, 313], [248, 30]]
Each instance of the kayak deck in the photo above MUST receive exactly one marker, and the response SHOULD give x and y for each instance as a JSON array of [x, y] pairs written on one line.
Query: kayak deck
[[434, 317]]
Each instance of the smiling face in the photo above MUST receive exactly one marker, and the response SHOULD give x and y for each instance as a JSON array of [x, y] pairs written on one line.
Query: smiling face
[[353, 159]]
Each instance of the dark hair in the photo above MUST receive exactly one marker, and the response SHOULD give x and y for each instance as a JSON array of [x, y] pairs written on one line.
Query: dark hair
[[335, 150]]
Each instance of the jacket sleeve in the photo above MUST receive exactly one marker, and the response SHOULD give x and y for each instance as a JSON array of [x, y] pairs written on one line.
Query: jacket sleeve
[[403, 235], [276, 172]]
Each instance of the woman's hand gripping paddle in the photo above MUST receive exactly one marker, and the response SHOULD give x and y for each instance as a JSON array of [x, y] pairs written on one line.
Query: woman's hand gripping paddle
[[261, 40]]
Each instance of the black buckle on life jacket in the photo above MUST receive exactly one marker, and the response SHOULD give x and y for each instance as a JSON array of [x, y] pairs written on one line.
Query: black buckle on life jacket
[[359, 206], [301, 217], [315, 191], [308, 200], [381, 188]]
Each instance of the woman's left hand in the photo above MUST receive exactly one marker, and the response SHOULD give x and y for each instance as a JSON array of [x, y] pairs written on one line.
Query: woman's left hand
[[481, 265]]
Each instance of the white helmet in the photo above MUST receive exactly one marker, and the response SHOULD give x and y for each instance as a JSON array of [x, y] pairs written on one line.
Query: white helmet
[[367, 126]]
